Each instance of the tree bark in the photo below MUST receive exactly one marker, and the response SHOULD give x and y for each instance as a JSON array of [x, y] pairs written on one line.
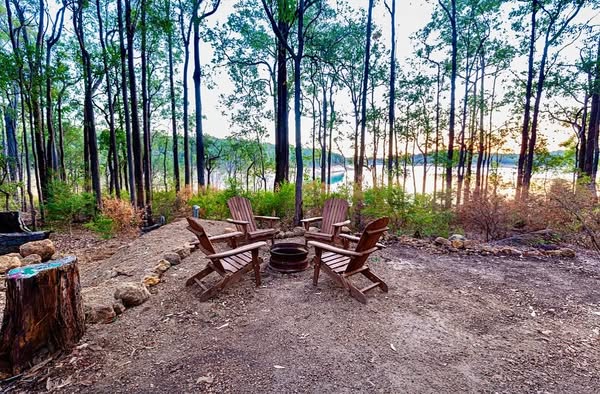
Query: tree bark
[[43, 312]]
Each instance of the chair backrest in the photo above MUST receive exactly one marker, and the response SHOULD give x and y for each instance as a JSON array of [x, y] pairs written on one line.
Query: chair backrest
[[241, 209], [368, 239], [335, 210], [196, 228]]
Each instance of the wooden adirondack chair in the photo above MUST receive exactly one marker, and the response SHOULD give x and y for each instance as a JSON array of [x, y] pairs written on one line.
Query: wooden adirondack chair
[[341, 264], [244, 220], [334, 217], [231, 265]]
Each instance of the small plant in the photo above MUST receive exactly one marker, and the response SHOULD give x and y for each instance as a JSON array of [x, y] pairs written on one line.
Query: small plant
[[65, 207], [123, 215], [102, 225]]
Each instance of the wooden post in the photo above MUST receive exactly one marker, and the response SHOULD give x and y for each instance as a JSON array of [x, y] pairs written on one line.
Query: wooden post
[[43, 313]]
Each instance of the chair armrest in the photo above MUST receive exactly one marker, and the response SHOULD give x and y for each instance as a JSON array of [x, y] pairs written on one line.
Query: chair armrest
[[266, 217], [236, 251], [334, 249], [226, 236], [310, 220], [240, 222], [355, 239], [342, 224]]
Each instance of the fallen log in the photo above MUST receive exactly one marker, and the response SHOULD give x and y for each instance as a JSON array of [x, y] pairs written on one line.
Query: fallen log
[[43, 313]]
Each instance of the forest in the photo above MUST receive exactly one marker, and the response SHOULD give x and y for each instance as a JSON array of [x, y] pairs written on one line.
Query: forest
[[106, 102]]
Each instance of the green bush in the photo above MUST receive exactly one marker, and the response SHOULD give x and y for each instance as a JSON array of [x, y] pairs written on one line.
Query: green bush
[[164, 203], [415, 215], [102, 225], [65, 206]]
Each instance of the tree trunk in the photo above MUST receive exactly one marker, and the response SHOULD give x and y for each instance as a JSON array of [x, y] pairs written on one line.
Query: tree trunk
[[125, 105], [135, 120], [43, 312], [198, 99], [358, 175], [591, 147], [282, 141], [147, 157], [392, 113], [172, 97]]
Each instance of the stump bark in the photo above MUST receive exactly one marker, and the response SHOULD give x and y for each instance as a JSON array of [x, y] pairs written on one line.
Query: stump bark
[[43, 313]]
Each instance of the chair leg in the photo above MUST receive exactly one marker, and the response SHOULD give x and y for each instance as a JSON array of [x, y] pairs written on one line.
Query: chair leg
[[317, 263], [374, 278], [356, 293], [207, 270], [209, 293], [256, 260]]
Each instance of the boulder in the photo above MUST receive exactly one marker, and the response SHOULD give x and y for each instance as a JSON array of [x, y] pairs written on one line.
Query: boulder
[[563, 252], [470, 244], [99, 313], [162, 267], [313, 229], [298, 231], [31, 259], [184, 251], [8, 262], [507, 250], [457, 237], [118, 307], [346, 230], [229, 230], [45, 248], [457, 243], [151, 279], [132, 294], [172, 258], [441, 241]]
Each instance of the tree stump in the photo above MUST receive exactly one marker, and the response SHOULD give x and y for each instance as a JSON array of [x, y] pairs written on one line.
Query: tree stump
[[43, 313]]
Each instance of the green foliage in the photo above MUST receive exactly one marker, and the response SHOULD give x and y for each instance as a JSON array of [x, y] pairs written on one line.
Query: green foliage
[[102, 225], [415, 215], [164, 203], [64, 206]]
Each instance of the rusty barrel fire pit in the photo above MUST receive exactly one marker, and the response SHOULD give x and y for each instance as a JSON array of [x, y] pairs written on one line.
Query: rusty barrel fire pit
[[288, 257]]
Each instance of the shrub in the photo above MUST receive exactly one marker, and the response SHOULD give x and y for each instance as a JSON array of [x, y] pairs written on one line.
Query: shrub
[[165, 203], [121, 213], [65, 207], [102, 225], [489, 215]]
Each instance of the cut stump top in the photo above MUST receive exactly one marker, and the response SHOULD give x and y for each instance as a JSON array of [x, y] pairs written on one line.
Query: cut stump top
[[33, 269]]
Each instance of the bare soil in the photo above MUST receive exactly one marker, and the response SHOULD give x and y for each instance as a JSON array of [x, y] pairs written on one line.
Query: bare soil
[[449, 323]]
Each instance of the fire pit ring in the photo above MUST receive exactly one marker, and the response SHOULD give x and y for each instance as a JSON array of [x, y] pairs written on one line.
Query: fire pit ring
[[288, 257]]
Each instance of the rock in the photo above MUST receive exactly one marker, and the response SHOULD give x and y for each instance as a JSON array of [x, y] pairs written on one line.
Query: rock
[[13, 255], [162, 267], [99, 313], [346, 230], [132, 294], [172, 257], [8, 262], [458, 237], [229, 230], [45, 248], [118, 307], [470, 244], [532, 253], [313, 229], [298, 231], [184, 251], [457, 243], [289, 234], [31, 259], [564, 252], [151, 279], [441, 241], [57, 256], [507, 250]]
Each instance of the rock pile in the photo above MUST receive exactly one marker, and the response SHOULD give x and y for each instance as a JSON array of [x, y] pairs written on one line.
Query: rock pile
[[29, 253]]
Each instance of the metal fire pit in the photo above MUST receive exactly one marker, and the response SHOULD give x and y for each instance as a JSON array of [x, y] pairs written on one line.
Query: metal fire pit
[[289, 257]]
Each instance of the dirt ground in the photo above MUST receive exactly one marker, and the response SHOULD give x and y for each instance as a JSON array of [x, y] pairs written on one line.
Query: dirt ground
[[449, 323]]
